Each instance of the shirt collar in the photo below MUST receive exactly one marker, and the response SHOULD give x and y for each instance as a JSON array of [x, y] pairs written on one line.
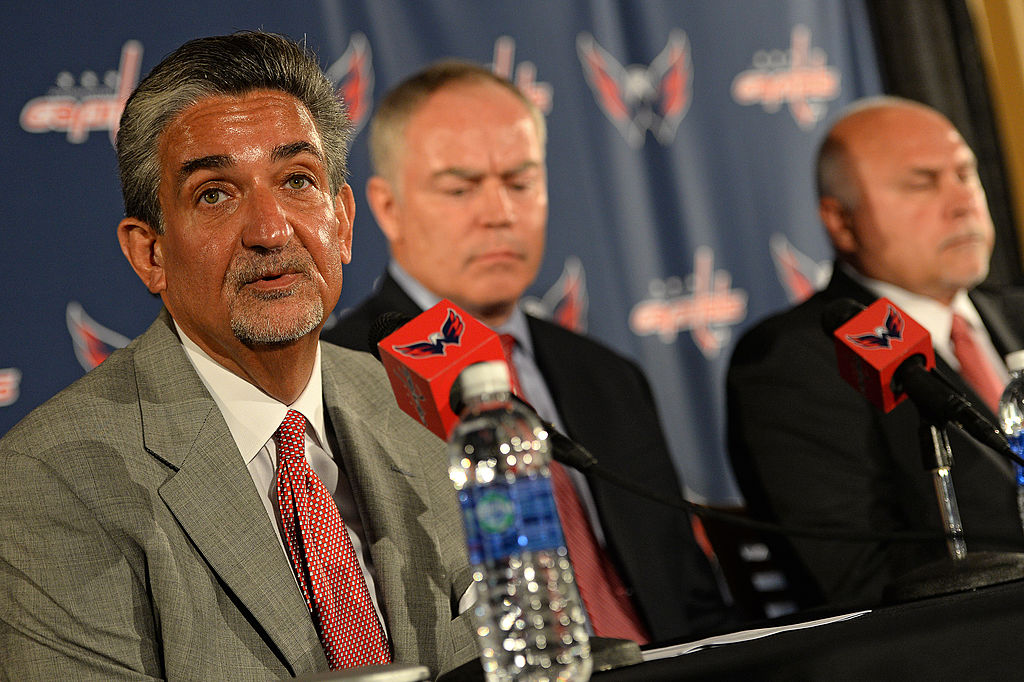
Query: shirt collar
[[935, 317], [516, 325], [251, 415]]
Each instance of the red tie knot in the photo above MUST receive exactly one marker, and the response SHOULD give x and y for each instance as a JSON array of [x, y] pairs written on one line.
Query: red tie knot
[[291, 436]]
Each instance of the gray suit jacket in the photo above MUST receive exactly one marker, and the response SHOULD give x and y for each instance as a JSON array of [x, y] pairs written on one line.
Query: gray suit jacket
[[134, 545]]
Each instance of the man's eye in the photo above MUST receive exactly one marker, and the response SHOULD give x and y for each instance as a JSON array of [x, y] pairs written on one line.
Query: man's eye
[[298, 182], [211, 196]]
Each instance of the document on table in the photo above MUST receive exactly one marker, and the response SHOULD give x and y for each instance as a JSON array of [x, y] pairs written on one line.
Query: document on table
[[741, 636]]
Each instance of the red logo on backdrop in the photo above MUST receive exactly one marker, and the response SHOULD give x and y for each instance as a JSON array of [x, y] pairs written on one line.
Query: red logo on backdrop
[[566, 302], [10, 385], [352, 75], [639, 98], [706, 305], [799, 77], [524, 74], [799, 274], [80, 107], [92, 341]]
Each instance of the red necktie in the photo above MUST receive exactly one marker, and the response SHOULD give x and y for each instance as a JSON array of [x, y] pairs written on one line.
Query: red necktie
[[974, 366], [609, 606], [329, 574]]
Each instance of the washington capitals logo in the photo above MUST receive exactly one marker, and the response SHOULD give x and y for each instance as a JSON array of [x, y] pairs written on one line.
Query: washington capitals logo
[[435, 344], [77, 107], [799, 77], [882, 337], [565, 303], [706, 305], [10, 385], [524, 74], [93, 342], [414, 393], [639, 98], [799, 274], [352, 75]]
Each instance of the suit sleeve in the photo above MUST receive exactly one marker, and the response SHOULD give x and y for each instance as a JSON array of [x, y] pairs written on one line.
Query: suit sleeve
[[809, 451], [72, 606]]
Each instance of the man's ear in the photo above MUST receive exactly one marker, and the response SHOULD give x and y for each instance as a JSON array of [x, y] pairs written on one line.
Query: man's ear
[[345, 212], [383, 200], [838, 222], [141, 245]]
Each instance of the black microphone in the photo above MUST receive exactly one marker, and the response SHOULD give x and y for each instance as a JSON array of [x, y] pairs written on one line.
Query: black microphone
[[570, 453], [933, 394]]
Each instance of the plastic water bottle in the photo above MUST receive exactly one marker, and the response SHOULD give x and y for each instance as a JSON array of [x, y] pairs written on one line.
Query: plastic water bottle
[[1011, 418], [529, 620]]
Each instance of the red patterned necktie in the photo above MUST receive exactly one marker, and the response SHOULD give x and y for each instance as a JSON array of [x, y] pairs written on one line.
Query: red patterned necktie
[[323, 557], [609, 606], [974, 366]]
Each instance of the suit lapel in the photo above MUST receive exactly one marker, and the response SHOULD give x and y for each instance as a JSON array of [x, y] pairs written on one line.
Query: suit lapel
[[213, 497], [392, 495], [1004, 337]]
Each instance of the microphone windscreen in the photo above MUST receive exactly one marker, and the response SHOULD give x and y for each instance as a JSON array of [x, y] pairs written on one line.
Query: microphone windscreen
[[423, 357], [385, 325], [839, 312], [875, 342]]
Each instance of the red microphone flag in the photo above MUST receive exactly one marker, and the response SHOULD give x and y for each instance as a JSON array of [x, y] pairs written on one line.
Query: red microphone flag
[[425, 356], [873, 344]]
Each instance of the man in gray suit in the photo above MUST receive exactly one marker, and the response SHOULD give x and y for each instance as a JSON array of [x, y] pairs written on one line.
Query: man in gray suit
[[143, 528]]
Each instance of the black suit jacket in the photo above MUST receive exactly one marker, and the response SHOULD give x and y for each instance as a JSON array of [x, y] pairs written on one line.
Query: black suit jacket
[[606, 405], [808, 450]]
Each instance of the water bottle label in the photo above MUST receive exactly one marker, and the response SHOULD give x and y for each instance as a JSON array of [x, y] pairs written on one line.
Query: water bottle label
[[1016, 442], [504, 519]]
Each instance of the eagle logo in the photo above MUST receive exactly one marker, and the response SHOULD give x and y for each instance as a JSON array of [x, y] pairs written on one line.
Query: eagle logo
[[881, 337], [92, 341], [352, 75], [639, 98], [437, 342]]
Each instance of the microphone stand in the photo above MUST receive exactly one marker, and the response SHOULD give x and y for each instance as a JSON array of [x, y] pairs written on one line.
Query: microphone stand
[[937, 437], [960, 571]]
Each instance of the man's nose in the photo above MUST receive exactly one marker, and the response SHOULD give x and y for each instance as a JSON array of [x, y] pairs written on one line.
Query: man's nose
[[266, 221], [497, 208]]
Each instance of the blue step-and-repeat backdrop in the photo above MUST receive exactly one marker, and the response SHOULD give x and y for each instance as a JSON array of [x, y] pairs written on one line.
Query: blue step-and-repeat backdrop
[[682, 136]]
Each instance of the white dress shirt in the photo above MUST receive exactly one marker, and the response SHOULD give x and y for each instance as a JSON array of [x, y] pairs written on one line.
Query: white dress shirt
[[937, 319], [253, 417]]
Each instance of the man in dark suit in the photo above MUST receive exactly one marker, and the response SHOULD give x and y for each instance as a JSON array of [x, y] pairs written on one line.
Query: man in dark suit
[[226, 497], [460, 192], [904, 209]]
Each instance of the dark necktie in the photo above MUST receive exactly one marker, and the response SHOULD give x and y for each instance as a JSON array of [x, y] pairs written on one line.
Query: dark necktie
[[609, 606], [323, 557], [976, 369]]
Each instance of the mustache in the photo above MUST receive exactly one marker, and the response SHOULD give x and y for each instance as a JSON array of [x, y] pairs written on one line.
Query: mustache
[[251, 267]]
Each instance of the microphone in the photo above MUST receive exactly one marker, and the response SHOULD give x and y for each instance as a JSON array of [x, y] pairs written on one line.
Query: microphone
[[888, 357], [424, 355], [424, 390], [427, 389]]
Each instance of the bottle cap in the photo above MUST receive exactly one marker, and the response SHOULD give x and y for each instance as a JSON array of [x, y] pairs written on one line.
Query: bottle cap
[[478, 379], [1015, 361]]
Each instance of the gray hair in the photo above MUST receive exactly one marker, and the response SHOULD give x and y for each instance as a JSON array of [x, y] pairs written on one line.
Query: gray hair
[[234, 64], [402, 101]]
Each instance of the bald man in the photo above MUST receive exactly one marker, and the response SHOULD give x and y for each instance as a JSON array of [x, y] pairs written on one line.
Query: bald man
[[902, 204]]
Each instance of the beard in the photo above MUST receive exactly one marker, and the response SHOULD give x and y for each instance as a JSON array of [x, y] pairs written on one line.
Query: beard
[[262, 318]]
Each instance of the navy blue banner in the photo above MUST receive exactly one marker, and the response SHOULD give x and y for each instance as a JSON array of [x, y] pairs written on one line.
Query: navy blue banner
[[681, 140]]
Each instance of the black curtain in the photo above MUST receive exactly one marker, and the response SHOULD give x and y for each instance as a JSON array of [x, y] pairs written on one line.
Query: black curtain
[[928, 52]]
